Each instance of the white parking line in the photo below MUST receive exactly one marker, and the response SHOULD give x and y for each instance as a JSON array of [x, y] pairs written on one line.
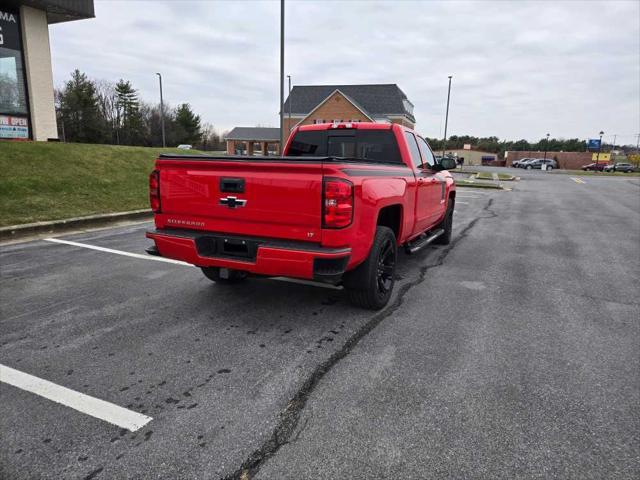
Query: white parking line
[[117, 252], [97, 408], [462, 203]]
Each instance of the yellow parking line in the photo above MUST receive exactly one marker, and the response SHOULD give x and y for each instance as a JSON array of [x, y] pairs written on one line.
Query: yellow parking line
[[578, 180]]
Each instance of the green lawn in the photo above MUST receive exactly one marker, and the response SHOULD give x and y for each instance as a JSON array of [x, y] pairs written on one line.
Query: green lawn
[[49, 181]]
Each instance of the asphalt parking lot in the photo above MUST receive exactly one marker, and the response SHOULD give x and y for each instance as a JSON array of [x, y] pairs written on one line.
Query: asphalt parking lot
[[512, 353]]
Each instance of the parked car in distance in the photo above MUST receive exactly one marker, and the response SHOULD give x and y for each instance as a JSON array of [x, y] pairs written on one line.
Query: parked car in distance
[[538, 162], [524, 163], [594, 167], [335, 208], [184, 147], [619, 167], [518, 163]]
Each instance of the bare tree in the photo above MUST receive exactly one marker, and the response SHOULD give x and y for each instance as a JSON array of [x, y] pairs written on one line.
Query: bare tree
[[109, 107]]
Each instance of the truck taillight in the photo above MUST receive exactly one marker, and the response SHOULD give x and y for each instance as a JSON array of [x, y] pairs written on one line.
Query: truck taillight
[[154, 191], [337, 203]]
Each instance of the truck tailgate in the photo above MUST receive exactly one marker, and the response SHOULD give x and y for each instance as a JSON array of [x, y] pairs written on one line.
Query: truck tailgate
[[266, 198]]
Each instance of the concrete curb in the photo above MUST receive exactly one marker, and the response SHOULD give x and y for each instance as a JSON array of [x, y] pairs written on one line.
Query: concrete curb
[[14, 232]]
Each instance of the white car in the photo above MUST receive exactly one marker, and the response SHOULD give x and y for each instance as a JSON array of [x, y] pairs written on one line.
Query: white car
[[184, 147]]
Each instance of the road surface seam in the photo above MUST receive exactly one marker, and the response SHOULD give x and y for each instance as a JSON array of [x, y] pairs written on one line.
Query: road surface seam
[[291, 415]]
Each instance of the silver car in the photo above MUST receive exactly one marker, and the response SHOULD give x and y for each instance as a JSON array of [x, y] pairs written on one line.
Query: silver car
[[538, 162]]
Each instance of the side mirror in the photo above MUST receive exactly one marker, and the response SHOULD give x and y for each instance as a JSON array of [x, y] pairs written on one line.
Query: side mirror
[[448, 163]]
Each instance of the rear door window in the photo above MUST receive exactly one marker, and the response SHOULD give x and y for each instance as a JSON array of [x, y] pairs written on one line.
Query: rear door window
[[309, 143], [375, 146]]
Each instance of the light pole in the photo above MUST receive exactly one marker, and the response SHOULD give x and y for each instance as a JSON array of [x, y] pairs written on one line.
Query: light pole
[[599, 148], [281, 76], [446, 119], [164, 143], [289, 129], [546, 147]]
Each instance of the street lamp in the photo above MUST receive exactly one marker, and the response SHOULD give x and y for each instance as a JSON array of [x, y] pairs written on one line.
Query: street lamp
[[546, 147], [599, 148], [282, 139], [164, 143], [446, 119]]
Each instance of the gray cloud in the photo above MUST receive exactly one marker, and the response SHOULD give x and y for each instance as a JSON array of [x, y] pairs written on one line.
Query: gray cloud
[[520, 69]]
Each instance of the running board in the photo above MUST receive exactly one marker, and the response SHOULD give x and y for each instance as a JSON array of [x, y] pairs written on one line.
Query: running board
[[423, 241]]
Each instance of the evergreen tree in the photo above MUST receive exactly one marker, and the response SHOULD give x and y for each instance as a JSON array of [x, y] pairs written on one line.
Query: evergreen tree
[[188, 124], [78, 111], [128, 118]]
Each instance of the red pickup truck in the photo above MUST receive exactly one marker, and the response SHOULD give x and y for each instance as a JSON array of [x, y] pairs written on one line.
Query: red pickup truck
[[333, 209]]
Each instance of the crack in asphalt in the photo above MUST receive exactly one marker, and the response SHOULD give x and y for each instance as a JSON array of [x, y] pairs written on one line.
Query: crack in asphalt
[[290, 417]]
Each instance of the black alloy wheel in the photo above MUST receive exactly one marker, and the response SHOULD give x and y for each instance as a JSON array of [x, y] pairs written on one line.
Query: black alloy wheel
[[370, 284], [386, 266]]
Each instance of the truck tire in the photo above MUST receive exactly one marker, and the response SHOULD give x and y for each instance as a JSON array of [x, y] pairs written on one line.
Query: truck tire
[[370, 285], [234, 276], [446, 224]]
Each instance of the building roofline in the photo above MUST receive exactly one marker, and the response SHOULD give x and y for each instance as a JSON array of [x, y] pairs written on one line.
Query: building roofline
[[58, 11], [275, 137], [349, 99]]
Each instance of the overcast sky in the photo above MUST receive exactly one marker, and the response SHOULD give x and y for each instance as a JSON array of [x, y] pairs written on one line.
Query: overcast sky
[[520, 69]]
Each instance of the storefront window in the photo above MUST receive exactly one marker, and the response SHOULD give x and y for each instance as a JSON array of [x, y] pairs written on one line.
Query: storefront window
[[13, 98], [12, 91], [12, 95]]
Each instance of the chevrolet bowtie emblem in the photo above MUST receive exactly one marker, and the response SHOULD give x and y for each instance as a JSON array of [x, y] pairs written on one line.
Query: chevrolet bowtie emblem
[[232, 202]]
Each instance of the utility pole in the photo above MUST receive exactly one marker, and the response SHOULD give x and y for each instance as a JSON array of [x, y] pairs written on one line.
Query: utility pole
[[281, 76], [289, 129], [164, 142], [446, 119], [638, 151]]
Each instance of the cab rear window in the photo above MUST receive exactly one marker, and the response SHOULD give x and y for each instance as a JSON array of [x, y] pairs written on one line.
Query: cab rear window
[[377, 146]]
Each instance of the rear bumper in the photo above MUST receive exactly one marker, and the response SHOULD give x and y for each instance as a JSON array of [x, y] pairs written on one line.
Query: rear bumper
[[260, 256]]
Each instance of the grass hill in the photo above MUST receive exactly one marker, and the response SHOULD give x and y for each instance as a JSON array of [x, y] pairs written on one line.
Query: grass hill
[[49, 181]]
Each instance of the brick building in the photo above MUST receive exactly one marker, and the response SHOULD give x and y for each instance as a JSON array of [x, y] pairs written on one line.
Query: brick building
[[248, 140], [308, 104]]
